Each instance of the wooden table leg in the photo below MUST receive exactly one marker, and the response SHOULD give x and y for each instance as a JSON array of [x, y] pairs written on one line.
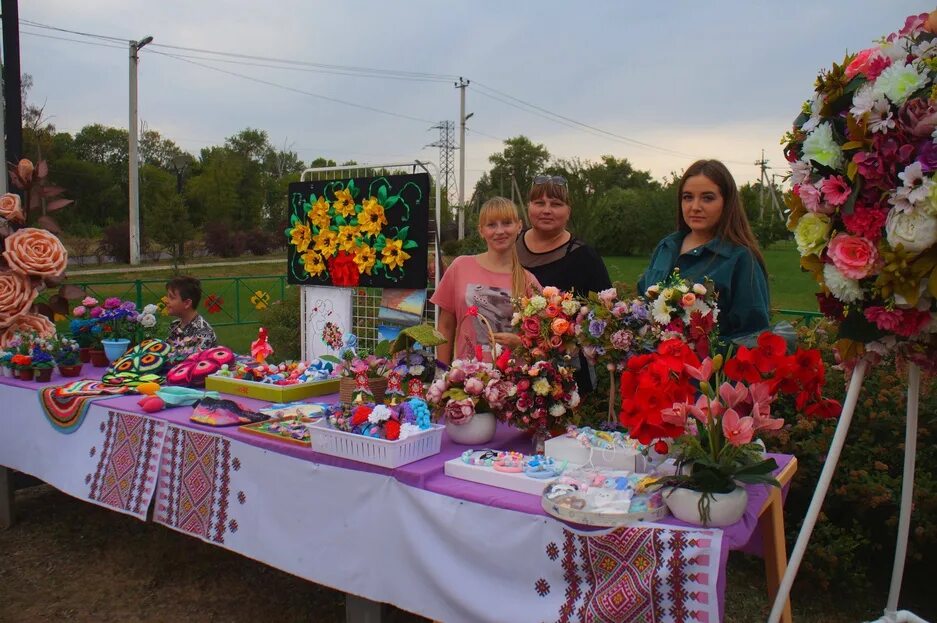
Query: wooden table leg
[[771, 528], [361, 610], [6, 497]]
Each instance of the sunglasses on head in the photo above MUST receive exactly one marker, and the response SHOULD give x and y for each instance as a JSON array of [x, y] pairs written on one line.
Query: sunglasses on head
[[549, 179]]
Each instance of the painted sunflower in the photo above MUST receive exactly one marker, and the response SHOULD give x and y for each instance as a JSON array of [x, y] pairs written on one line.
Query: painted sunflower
[[393, 254]]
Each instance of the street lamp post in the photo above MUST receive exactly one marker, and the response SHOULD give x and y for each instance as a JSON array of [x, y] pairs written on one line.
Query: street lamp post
[[132, 179]]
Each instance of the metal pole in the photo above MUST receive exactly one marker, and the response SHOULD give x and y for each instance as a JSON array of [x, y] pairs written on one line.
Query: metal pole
[[133, 164], [461, 84]]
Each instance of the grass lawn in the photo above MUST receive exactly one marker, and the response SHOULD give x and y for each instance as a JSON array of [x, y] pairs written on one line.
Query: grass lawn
[[791, 288]]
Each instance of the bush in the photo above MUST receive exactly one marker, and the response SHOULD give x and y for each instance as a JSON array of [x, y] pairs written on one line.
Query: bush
[[853, 544], [261, 242], [223, 241], [115, 242], [282, 321]]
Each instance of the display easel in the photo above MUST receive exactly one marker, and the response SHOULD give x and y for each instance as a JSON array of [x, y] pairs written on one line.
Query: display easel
[[347, 302], [891, 614]]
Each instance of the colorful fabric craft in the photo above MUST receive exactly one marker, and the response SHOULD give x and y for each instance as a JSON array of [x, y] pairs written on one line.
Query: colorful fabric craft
[[194, 368], [144, 363], [215, 412], [65, 406]]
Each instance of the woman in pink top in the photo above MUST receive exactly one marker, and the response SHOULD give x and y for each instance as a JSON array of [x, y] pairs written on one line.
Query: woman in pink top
[[487, 281]]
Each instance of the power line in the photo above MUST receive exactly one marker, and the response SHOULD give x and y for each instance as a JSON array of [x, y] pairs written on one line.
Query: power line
[[295, 90], [102, 45], [29, 22]]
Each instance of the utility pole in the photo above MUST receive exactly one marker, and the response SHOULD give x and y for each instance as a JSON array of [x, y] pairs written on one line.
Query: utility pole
[[763, 166], [12, 88], [446, 147], [132, 180], [461, 84]]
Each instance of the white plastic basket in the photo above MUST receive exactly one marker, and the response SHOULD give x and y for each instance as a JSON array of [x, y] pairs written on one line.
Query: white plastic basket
[[391, 454]]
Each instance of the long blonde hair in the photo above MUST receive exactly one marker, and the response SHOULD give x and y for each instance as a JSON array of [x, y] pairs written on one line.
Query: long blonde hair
[[499, 209]]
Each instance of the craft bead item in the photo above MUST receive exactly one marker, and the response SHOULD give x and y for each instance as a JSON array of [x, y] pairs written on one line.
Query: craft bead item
[[510, 462], [542, 467]]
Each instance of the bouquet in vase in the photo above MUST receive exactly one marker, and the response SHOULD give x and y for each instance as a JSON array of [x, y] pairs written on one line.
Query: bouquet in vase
[[541, 397], [467, 388], [685, 310]]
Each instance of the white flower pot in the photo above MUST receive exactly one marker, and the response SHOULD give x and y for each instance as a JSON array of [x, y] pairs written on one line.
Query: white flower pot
[[476, 432], [7, 371], [724, 510]]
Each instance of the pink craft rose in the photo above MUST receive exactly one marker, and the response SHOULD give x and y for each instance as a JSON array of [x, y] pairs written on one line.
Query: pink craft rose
[[869, 62], [11, 209], [855, 257], [474, 386], [28, 322], [35, 252], [687, 300], [16, 296], [459, 411]]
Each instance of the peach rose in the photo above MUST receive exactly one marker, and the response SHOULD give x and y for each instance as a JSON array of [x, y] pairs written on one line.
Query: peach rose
[[550, 291], [11, 209], [25, 169], [35, 252], [559, 326], [16, 296], [687, 300], [28, 322]]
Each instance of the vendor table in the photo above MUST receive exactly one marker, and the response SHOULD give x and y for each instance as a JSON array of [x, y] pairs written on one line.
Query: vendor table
[[445, 548]]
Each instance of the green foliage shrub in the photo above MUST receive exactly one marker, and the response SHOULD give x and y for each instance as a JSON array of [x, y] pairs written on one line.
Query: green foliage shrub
[[282, 320]]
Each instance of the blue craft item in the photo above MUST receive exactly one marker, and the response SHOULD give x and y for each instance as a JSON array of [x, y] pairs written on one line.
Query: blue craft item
[[177, 395]]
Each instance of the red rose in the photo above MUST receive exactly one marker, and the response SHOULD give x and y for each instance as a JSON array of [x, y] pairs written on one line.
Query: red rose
[[531, 326], [343, 270]]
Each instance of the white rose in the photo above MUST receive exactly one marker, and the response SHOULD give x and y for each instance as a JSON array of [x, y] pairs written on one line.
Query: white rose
[[915, 230], [150, 309], [699, 289], [148, 320]]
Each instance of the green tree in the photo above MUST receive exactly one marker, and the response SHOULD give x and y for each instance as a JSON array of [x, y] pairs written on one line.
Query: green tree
[[170, 227], [521, 160]]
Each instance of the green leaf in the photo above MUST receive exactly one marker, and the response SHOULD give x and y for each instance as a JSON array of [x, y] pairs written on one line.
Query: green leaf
[[850, 204], [382, 195], [402, 234], [330, 358], [340, 220], [390, 202], [410, 244]]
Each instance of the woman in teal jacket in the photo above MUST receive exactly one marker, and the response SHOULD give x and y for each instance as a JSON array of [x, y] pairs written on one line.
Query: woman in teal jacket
[[713, 239]]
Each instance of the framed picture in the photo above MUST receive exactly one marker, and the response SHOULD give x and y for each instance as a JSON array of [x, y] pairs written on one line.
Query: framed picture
[[361, 231]]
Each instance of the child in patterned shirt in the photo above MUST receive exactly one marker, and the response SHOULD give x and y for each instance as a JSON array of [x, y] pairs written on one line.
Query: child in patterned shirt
[[189, 332]]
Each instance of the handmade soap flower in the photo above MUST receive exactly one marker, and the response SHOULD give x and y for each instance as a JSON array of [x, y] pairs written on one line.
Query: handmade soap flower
[[11, 208], [35, 252], [16, 296]]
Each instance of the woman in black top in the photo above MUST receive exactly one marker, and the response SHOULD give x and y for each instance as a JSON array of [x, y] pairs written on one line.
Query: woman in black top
[[555, 256]]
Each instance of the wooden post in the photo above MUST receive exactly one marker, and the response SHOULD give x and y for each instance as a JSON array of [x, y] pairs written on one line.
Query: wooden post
[[6, 497], [771, 528]]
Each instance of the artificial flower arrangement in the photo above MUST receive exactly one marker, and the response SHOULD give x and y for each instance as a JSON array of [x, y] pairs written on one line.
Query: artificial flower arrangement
[[391, 422], [284, 373], [539, 397], [611, 327], [414, 362], [546, 324], [863, 208], [469, 387], [685, 310], [714, 427], [65, 351], [6, 362], [114, 319], [346, 237]]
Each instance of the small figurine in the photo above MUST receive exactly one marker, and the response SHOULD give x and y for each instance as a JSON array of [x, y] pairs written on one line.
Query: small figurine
[[394, 389], [415, 388], [362, 391], [260, 348]]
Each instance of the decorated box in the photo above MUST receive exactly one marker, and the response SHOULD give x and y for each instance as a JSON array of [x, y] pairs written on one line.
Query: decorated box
[[518, 481], [269, 391], [565, 448]]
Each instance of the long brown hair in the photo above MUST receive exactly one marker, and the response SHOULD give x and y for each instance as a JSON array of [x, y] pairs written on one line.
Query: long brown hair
[[499, 209], [733, 225]]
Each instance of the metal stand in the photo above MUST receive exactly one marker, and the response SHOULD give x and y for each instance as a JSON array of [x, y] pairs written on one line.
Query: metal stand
[[892, 614]]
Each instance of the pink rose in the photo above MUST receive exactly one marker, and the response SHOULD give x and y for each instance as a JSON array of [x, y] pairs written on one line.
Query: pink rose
[[855, 257], [459, 412], [89, 301], [16, 296], [28, 322], [456, 375], [867, 62], [79, 311], [555, 341], [474, 386], [687, 299], [531, 326], [607, 296], [552, 310], [11, 208], [35, 252], [835, 190]]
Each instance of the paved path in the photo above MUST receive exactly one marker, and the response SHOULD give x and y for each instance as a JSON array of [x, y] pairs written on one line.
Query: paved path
[[125, 268]]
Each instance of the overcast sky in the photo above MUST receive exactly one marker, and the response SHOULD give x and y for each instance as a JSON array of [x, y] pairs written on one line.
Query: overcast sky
[[717, 79]]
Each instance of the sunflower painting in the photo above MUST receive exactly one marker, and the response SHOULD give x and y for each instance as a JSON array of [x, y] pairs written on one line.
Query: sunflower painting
[[363, 231]]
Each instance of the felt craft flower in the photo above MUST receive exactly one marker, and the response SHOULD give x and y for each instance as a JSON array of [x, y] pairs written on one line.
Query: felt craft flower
[[319, 214], [301, 236], [16, 296], [313, 263], [365, 258], [347, 237], [344, 203], [35, 252], [372, 218], [326, 243], [11, 208], [393, 254]]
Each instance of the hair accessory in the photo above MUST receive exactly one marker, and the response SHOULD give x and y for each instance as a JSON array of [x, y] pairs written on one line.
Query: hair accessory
[[509, 462], [542, 467], [479, 457]]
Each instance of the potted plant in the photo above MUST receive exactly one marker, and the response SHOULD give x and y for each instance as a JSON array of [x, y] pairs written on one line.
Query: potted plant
[[23, 366], [119, 327], [468, 397], [362, 374], [84, 318], [42, 362], [715, 427], [6, 363], [67, 355]]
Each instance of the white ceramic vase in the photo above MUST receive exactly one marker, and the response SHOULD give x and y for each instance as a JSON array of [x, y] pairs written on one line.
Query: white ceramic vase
[[724, 508], [476, 432]]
